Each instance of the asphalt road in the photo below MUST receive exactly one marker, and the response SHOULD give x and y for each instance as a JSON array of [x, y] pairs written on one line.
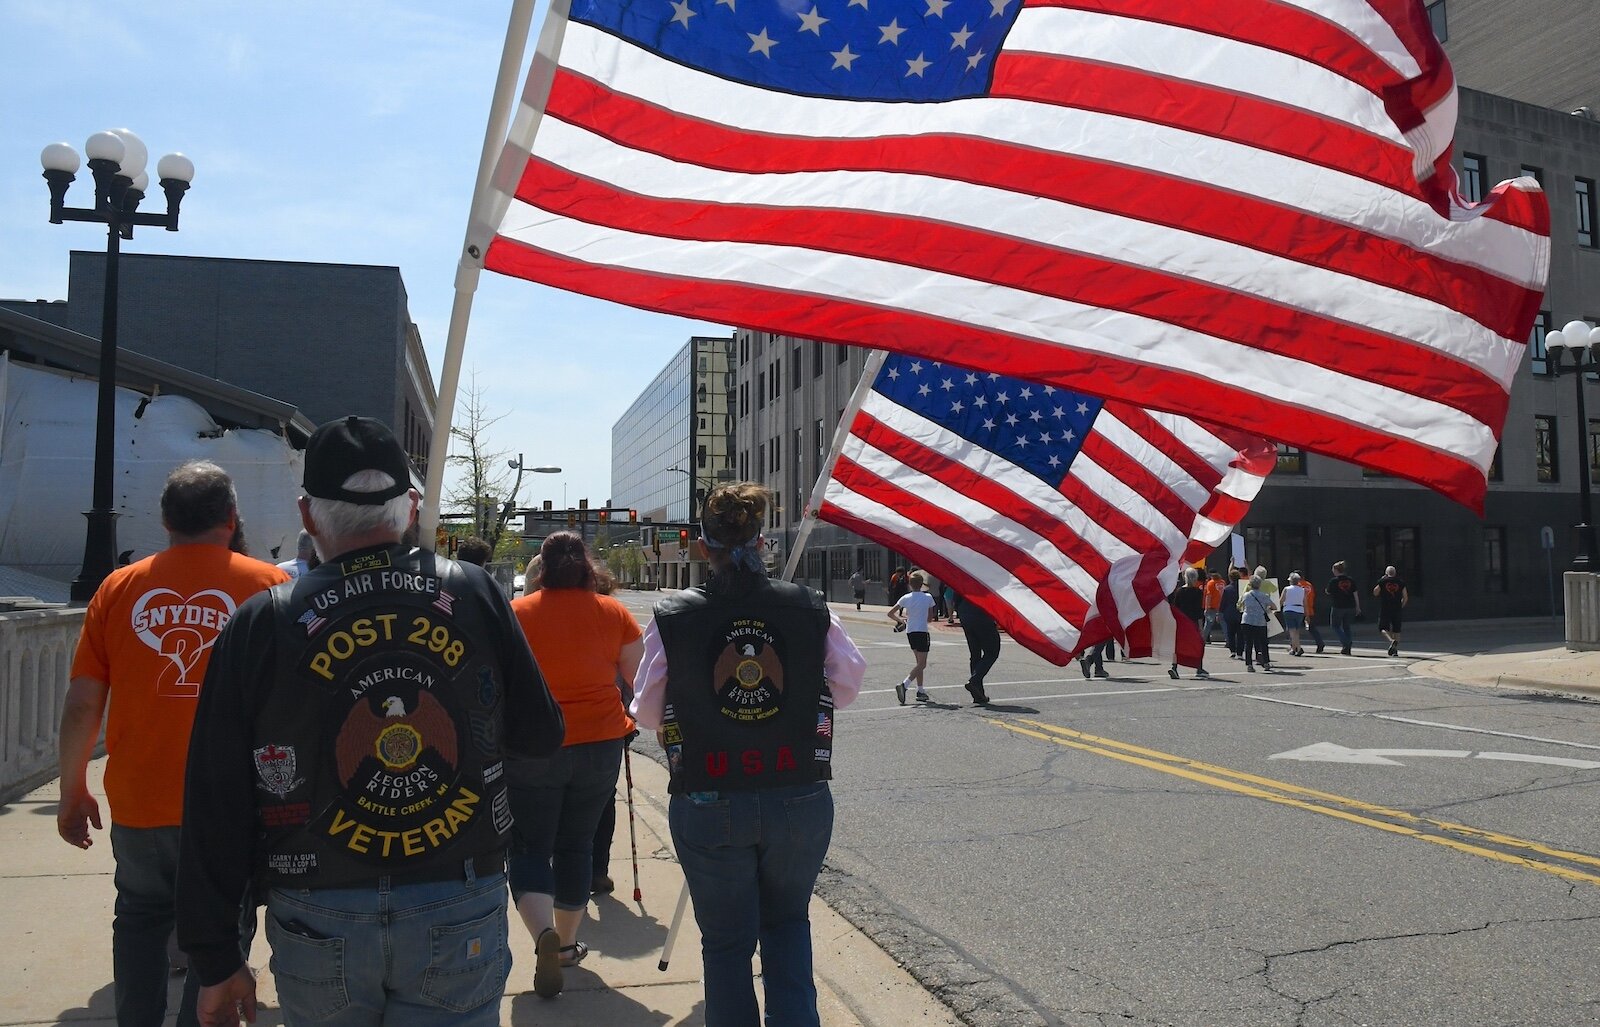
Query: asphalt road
[[1142, 851]]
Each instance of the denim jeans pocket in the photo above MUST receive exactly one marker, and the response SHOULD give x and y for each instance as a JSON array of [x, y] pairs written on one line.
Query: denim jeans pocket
[[467, 967], [309, 970], [707, 823], [809, 815]]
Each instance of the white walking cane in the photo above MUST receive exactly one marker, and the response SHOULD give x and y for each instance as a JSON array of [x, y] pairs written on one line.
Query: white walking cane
[[672, 931]]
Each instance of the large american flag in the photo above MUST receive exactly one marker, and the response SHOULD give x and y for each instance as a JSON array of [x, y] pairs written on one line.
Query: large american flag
[[1065, 516], [1237, 209]]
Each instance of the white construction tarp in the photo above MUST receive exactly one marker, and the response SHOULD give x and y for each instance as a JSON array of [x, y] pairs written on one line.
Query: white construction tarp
[[47, 440]]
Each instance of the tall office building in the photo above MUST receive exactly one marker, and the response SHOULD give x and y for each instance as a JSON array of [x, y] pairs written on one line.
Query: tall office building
[[674, 443]]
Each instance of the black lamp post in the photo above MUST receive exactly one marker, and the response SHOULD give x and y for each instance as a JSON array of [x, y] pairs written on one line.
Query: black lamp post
[[117, 159], [511, 501], [1584, 344]]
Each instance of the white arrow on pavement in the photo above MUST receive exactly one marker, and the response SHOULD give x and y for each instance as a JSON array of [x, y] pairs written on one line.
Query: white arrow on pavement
[[1329, 752]]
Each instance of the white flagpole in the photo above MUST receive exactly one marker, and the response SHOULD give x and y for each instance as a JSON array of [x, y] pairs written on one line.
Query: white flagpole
[[479, 231], [869, 374]]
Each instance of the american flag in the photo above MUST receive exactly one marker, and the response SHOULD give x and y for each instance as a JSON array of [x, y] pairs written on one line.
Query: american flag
[[1242, 210], [1064, 516]]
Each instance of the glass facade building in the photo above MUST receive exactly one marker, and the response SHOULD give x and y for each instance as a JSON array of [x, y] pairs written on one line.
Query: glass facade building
[[674, 442]]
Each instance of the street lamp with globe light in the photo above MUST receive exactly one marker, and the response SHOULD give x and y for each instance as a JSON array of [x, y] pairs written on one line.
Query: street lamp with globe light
[[117, 161], [511, 501], [1583, 342]]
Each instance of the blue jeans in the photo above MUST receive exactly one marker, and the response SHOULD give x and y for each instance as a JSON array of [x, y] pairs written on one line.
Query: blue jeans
[[555, 807], [408, 955], [751, 860], [146, 908], [1341, 625]]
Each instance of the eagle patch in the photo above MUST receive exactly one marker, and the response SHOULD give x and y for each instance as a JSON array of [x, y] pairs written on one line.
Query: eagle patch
[[747, 674]]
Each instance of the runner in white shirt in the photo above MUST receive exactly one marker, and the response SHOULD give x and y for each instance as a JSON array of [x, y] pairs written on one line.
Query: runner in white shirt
[[910, 614]]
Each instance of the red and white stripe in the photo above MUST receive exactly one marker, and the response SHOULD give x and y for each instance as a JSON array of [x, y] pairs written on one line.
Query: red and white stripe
[[1241, 210], [1148, 492]]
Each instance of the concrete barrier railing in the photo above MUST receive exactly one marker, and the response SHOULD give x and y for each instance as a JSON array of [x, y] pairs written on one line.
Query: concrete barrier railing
[[1582, 593], [36, 649]]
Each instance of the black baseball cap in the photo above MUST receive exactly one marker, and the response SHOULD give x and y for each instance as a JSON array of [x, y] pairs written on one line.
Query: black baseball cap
[[346, 446]]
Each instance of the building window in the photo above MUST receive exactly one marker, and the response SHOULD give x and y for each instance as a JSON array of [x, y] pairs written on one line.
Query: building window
[[1538, 356], [1529, 171], [777, 377], [1594, 451], [794, 368], [1400, 548], [1494, 559], [1473, 175], [1280, 549], [700, 456], [777, 456], [761, 390], [870, 560], [821, 441], [1291, 460], [842, 353], [839, 562], [1496, 471], [1544, 448], [1439, 20], [798, 451], [761, 462], [816, 360], [1583, 192]]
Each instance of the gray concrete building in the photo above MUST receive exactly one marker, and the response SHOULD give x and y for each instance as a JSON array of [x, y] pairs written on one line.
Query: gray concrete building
[[331, 339], [1537, 51]]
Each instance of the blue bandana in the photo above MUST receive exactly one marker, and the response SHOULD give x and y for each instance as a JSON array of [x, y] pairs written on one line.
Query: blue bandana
[[745, 556]]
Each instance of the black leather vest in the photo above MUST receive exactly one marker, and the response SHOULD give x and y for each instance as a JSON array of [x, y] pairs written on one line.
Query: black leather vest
[[393, 721], [747, 705]]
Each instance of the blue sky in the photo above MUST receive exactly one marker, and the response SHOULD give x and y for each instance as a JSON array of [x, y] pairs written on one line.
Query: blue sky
[[344, 132]]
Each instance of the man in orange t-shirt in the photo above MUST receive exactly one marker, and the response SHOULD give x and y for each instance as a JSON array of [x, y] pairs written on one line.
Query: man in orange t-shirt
[[146, 639], [1212, 605]]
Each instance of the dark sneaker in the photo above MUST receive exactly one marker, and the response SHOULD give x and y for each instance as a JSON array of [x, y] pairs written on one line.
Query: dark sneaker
[[1319, 650], [1394, 650], [924, 697], [1202, 673], [1102, 674], [900, 692], [1344, 651], [602, 884], [1172, 672], [1083, 665]]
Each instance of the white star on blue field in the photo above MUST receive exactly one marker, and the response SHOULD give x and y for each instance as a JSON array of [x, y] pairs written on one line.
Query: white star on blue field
[[1037, 427]]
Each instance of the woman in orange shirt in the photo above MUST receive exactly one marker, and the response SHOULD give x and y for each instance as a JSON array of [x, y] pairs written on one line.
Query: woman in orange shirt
[[582, 642]]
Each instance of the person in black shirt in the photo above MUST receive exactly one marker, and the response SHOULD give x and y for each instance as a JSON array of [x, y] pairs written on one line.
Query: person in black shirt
[[1392, 597], [347, 767], [1188, 601], [1344, 605], [1230, 615], [983, 645]]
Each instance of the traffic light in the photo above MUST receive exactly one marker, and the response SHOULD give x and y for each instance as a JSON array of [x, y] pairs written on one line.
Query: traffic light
[[572, 518], [605, 516], [633, 517], [683, 537]]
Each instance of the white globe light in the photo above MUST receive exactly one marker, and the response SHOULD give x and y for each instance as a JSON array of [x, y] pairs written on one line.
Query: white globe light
[[1594, 340], [142, 181], [1577, 332], [59, 157], [1555, 342], [175, 166], [134, 155], [105, 146]]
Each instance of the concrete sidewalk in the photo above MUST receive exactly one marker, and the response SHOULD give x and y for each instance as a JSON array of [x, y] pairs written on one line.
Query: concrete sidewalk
[[1541, 668], [55, 916]]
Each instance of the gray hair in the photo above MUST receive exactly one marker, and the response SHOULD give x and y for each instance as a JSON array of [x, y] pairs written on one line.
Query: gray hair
[[337, 520], [1191, 575], [1294, 577], [1389, 571], [1255, 582]]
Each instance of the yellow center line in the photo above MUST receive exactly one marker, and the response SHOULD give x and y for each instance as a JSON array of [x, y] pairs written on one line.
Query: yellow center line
[[1284, 794]]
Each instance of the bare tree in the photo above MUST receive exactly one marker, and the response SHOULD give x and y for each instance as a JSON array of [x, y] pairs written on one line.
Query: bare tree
[[485, 483]]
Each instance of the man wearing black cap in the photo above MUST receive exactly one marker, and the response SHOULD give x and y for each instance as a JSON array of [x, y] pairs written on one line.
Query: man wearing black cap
[[347, 764]]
